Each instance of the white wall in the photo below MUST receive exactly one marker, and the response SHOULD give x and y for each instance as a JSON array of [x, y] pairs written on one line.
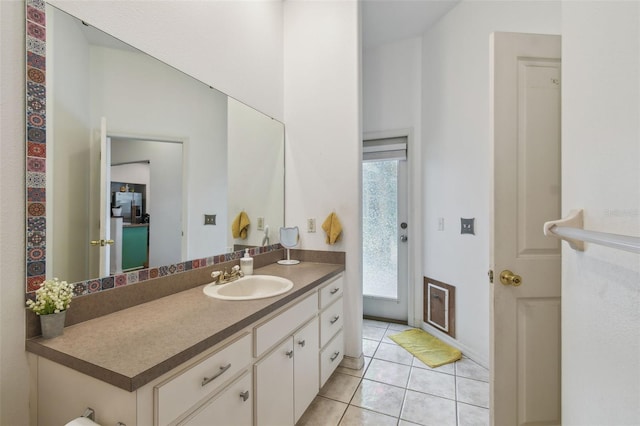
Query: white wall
[[601, 174], [14, 372], [391, 81], [255, 152], [455, 155], [322, 116], [234, 46]]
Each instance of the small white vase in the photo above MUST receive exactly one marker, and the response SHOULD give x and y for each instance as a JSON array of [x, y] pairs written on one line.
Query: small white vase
[[52, 325], [116, 211]]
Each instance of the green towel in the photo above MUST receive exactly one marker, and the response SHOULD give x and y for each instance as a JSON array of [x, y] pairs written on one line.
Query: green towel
[[427, 348]]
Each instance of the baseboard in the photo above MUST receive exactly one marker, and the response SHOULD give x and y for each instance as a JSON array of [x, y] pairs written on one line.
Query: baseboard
[[466, 351], [354, 363]]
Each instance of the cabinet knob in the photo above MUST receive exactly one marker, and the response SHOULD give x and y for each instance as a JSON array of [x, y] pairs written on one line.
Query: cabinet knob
[[289, 353], [301, 343], [335, 355], [244, 395], [334, 319], [335, 290]]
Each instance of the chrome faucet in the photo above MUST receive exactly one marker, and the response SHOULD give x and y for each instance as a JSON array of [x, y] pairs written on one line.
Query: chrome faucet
[[223, 277]]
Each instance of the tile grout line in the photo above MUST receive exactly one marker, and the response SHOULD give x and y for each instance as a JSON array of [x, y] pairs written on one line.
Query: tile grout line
[[413, 366]]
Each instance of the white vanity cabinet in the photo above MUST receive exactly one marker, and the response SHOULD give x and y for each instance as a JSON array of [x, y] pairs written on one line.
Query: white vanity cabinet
[[268, 373], [331, 325], [287, 378]]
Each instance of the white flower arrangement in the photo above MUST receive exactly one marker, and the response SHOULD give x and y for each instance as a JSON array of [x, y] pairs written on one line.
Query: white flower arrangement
[[52, 297]]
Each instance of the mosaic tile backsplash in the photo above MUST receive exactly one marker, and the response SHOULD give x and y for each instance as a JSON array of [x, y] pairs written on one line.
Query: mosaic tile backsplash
[[36, 153]]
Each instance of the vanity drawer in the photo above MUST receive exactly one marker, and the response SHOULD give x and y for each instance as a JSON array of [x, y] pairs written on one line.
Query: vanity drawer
[[175, 396], [330, 321], [331, 356], [331, 291], [232, 406], [282, 325]]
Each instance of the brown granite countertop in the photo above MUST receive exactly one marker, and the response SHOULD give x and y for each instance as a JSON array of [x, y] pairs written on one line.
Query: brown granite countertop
[[132, 347]]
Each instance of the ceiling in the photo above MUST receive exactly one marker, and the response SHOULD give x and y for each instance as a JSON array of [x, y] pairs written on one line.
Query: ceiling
[[385, 21]]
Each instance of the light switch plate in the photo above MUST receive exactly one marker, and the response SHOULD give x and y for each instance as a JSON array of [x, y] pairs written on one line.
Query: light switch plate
[[311, 224], [467, 226], [260, 224]]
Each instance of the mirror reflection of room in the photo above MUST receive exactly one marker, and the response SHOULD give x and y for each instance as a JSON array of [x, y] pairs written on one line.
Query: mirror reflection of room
[[93, 78]]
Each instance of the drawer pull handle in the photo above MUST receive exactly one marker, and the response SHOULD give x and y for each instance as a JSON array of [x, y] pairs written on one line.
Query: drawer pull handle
[[289, 353], [336, 318], [335, 290], [301, 343], [244, 395], [335, 355], [208, 380]]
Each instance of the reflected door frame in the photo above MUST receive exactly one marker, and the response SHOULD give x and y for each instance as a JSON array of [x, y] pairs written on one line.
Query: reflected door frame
[[414, 215]]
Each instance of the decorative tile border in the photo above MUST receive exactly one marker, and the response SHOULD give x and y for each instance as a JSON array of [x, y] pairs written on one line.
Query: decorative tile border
[[36, 178], [95, 285], [36, 131]]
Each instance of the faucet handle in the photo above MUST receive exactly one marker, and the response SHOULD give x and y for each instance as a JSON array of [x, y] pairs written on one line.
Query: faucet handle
[[217, 276]]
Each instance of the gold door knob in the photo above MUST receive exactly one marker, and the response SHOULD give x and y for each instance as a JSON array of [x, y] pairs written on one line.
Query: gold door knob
[[101, 243], [509, 278]]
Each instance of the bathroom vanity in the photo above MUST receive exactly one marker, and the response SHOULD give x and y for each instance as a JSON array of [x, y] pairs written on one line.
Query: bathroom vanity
[[190, 359]]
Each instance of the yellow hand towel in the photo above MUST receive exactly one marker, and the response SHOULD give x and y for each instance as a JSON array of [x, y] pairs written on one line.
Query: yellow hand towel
[[333, 228], [240, 226]]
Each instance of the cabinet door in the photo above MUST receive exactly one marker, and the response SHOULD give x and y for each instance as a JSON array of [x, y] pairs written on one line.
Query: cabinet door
[[274, 387], [306, 374], [134, 246], [231, 407]]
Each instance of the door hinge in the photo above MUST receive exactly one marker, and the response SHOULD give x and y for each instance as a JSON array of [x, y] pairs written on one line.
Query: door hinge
[[490, 274]]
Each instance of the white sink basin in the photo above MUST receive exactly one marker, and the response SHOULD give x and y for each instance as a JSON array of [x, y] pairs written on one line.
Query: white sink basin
[[249, 287]]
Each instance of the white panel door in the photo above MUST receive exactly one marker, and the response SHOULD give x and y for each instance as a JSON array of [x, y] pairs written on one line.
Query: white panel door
[[525, 312]]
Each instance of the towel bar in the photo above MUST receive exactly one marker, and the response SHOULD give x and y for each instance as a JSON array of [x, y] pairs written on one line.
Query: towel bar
[[571, 230]]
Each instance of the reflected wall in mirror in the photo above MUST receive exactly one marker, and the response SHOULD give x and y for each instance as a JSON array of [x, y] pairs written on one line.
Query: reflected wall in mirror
[[133, 149]]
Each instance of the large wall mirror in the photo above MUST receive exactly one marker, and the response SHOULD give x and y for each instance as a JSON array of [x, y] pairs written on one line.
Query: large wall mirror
[[145, 168]]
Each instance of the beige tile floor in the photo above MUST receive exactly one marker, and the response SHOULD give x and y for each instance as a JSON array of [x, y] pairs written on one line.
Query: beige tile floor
[[395, 388]]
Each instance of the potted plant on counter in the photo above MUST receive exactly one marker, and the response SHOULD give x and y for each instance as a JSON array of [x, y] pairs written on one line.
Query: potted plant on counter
[[52, 300]]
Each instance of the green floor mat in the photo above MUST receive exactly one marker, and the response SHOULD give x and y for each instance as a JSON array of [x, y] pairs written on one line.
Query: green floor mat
[[427, 348]]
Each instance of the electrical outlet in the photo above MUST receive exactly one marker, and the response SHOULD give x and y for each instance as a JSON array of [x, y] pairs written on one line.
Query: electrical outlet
[[261, 224], [311, 224], [209, 219], [467, 226]]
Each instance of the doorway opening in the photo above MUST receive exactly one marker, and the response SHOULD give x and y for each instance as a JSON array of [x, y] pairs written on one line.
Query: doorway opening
[[385, 228]]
